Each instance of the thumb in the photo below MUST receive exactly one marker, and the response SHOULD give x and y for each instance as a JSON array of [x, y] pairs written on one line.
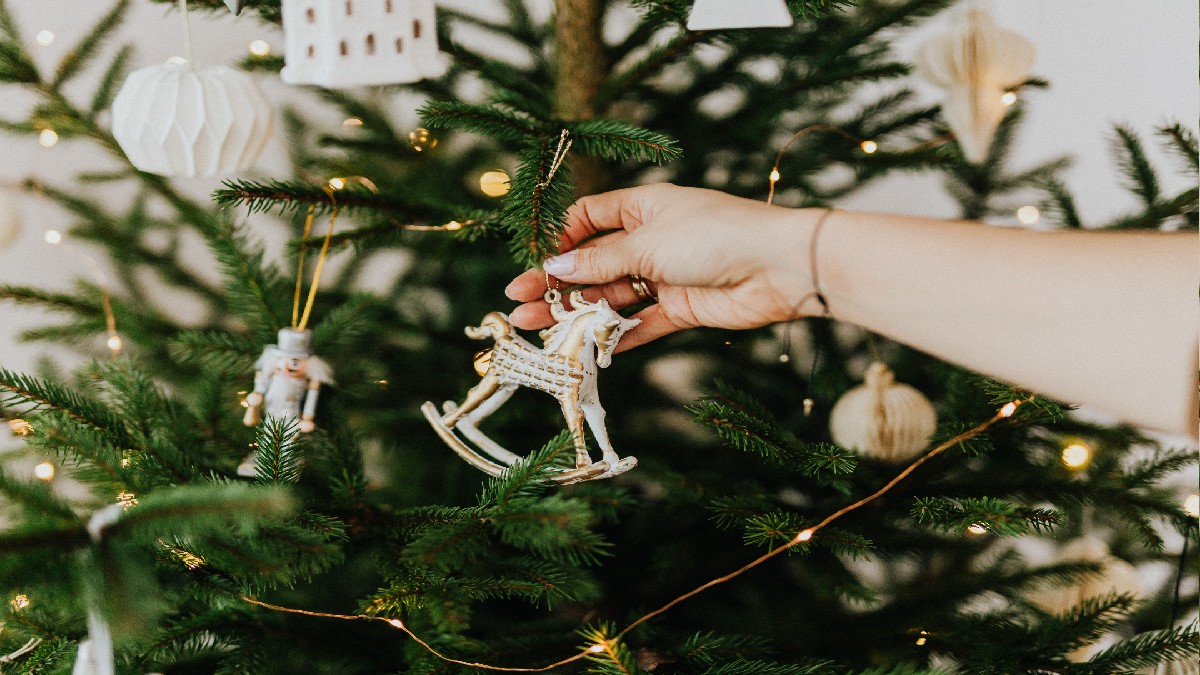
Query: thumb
[[591, 265]]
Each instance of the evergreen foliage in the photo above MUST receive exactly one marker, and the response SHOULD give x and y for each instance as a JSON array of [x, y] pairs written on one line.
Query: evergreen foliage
[[372, 519]]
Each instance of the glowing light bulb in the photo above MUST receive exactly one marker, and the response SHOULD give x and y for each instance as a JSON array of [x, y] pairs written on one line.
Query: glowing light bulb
[[1076, 456], [337, 183], [494, 183], [923, 639], [115, 343], [775, 175], [45, 38], [396, 623], [804, 536], [44, 471], [976, 529], [454, 225], [1008, 409], [1029, 215], [421, 140], [20, 427], [260, 48], [125, 462], [1009, 98], [869, 147], [596, 649], [52, 236], [20, 601], [128, 499], [351, 122], [784, 358], [48, 138], [1192, 505]]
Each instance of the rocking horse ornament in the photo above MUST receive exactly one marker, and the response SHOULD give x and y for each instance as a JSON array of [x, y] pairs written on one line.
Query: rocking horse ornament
[[581, 341]]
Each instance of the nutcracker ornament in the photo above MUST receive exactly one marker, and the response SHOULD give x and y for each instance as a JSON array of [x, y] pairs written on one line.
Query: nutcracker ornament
[[582, 340], [287, 381]]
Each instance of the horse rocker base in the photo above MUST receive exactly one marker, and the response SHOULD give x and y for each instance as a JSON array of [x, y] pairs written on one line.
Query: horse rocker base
[[581, 341]]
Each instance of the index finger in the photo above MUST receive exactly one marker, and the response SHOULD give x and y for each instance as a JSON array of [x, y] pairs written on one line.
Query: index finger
[[615, 210]]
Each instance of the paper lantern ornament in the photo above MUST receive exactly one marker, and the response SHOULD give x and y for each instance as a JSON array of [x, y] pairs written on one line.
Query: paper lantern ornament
[[235, 6], [720, 14], [350, 43], [1116, 576], [976, 62], [173, 120], [883, 419]]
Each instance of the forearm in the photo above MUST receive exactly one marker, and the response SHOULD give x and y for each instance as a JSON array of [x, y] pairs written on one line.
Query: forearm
[[1104, 319]]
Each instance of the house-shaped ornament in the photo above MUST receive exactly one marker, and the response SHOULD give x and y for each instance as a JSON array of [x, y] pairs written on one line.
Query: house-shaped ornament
[[350, 43]]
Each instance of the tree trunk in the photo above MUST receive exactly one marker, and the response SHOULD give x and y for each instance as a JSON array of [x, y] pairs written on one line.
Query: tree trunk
[[581, 68]]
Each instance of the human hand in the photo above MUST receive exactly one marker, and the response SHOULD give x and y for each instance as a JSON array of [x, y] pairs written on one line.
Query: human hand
[[254, 399], [711, 258]]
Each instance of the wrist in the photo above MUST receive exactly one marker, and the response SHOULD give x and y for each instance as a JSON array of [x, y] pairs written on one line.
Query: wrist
[[795, 263]]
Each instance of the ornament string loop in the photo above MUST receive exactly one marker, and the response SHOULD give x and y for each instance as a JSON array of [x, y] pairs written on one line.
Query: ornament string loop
[[564, 146], [321, 258]]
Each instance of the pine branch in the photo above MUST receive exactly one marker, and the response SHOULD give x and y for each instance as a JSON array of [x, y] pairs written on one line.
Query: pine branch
[[113, 76], [278, 458], [996, 515], [1182, 141], [18, 390], [255, 292], [213, 350], [79, 56], [37, 497], [1140, 176], [296, 196], [1144, 651], [535, 209], [203, 509], [615, 140], [487, 120]]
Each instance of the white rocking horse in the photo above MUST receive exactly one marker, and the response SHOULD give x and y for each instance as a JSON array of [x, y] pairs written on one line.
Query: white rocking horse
[[581, 340]]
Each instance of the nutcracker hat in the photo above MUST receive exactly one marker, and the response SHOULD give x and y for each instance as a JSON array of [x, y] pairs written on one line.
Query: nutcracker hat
[[295, 342]]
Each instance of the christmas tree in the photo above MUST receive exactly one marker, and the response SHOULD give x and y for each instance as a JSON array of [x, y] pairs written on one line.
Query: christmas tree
[[745, 541]]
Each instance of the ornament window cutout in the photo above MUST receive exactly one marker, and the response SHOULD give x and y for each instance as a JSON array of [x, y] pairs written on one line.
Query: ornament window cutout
[[386, 42], [311, 51]]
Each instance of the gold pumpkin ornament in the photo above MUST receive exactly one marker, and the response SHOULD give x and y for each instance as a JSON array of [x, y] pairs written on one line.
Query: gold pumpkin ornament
[[883, 419]]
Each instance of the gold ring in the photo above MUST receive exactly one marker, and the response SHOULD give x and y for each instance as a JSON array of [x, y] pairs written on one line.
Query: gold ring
[[641, 288]]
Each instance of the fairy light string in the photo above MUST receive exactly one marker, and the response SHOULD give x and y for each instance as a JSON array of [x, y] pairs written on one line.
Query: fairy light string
[[605, 646]]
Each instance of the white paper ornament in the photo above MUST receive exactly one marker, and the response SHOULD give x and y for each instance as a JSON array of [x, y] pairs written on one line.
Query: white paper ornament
[[10, 221], [976, 62], [882, 419], [349, 43], [1116, 576], [175, 121], [720, 14], [235, 6]]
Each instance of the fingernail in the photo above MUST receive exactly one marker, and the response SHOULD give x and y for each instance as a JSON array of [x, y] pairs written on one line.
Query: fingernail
[[561, 265], [508, 290]]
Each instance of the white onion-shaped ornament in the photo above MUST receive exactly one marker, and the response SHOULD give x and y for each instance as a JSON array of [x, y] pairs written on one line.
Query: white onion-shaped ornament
[[721, 14], [976, 62], [882, 419], [175, 121], [1115, 576], [10, 221], [360, 42]]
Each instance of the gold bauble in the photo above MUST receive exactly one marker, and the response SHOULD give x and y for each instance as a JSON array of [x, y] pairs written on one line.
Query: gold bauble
[[483, 360], [494, 183], [882, 419], [422, 140]]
